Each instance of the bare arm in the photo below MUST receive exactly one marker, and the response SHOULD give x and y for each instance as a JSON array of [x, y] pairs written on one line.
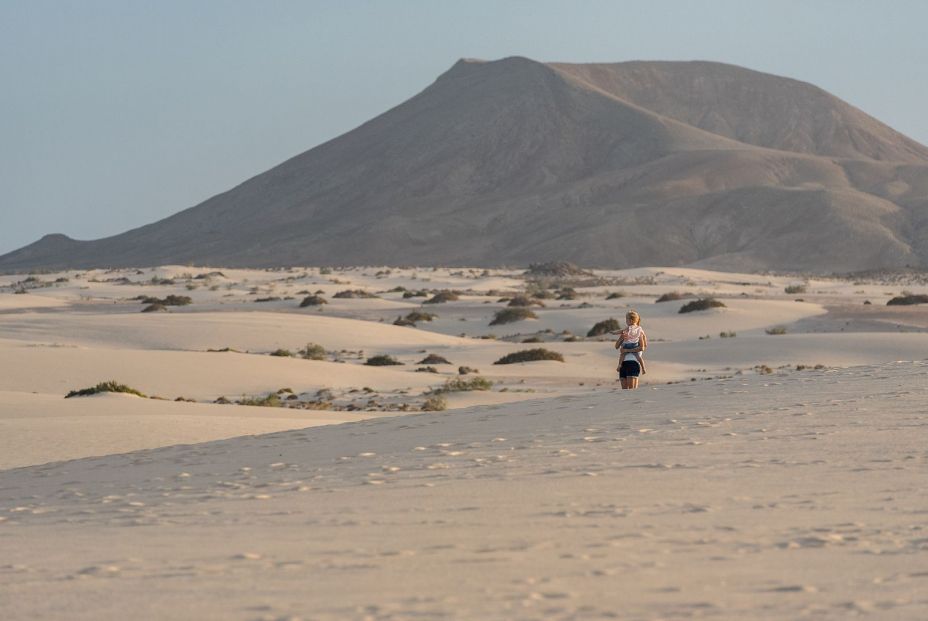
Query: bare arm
[[643, 345]]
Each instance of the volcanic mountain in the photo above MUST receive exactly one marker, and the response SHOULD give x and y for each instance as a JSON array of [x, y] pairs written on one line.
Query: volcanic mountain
[[610, 165]]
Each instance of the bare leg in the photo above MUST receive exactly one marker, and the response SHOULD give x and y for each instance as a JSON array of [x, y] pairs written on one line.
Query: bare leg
[[624, 381], [632, 382]]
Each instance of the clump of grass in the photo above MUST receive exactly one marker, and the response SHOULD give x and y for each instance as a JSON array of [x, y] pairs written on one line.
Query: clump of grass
[[171, 300], [272, 298], [435, 403], [763, 369], [567, 293], [415, 294], [402, 321], [793, 289], [727, 335], [615, 295], [532, 339], [776, 330], [530, 355], [907, 299], [443, 296], [382, 360], [701, 305], [224, 349], [673, 296], [523, 300], [155, 308], [415, 316], [354, 293], [110, 386], [426, 370], [467, 370], [270, 401], [282, 353], [313, 300], [459, 384], [510, 315], [604, 327], [312, 351], [434, 359]]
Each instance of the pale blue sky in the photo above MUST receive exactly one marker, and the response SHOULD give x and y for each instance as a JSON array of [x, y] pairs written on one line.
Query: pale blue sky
[[116, 113]]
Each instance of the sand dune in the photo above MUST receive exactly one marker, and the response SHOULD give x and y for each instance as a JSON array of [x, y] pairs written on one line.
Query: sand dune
[[755, 497]]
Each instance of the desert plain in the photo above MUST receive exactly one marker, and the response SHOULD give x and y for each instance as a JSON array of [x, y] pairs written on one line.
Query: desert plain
[[772, 464]]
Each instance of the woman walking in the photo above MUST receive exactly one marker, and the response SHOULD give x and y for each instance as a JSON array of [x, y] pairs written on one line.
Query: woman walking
[[631, 343]]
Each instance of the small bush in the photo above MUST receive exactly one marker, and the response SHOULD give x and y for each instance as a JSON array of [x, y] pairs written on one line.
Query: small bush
[[382, 360], [522, 300], [510, 315], [604, 327], [401, 321], [701, 305], [426, 370], [615, 295], [434, 359], [111, 386], [530, 355], [443, 296], [155, 308], [776, 330], [177, 300], [272, 298], [532, 339], [354, 293], [312, 351], [435, 403], [282, 353], [793, 289], [908, 298], [270, 401], [727, 335], [313, 300], [673, 296], [466, 370], [567, 294], [414, 294], [763, 369], [459, 384], [415, 316]]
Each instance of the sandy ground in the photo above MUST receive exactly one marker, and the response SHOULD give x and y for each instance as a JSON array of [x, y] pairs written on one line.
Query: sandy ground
[[770, 467], [774, 497]]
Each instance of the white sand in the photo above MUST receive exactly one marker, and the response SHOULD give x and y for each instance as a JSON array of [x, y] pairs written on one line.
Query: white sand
[[749, 488]]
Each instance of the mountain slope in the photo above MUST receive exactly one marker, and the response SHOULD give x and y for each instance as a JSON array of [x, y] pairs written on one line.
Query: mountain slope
[[514, 161]]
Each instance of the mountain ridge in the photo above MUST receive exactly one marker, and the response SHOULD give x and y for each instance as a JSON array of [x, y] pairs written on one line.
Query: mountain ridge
[[515, 161]]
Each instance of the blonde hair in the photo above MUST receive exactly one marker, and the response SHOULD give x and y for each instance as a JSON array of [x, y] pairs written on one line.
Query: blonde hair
[[633, 317]]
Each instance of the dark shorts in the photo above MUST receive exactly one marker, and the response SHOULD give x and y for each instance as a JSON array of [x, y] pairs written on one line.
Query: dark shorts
[[629, 368]]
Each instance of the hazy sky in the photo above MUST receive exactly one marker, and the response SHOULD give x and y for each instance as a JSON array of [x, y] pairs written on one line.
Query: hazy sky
[[117, 113]]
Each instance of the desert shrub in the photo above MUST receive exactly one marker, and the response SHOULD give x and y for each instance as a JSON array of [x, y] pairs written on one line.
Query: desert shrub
[[171, 300], [466, 370], [532, 339], [776, 330], [530, 355], [793, 289], [110, 386], [154, 308], [434, 359], [701, 305], [272, 298], [727, 335], [354, 293], [312, 351], [763, 369], [868, 302], [415, 316], [402, 321], [224, 349], [382, 360], [443, 296], [426, 370], [510, 315], [435, 403], [415, 294], [522, 300], [604, 327], [908, 298], [325, 271], [567, 294], [459, 384], [673, 296], [313, 300], [282, 353], [270, 401], [615, 295]]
